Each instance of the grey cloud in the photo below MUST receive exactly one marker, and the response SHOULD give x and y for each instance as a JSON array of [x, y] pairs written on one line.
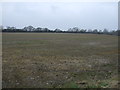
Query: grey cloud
[[61, 15]]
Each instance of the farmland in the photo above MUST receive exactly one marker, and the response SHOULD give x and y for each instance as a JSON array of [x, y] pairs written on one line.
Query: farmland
[[59, 60]]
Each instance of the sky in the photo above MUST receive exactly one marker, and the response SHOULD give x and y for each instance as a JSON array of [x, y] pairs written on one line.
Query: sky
[[62, 15]]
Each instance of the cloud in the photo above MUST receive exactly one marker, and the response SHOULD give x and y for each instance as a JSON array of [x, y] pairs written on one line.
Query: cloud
[[61, 15]]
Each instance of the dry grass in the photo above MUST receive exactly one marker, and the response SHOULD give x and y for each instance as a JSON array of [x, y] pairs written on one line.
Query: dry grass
[[51, 60], [0, 60]]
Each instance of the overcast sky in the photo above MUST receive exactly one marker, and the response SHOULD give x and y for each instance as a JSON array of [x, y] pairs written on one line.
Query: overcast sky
[[62, 15]]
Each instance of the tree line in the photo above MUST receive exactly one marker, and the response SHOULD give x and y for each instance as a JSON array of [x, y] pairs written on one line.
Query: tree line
[[70, 30]]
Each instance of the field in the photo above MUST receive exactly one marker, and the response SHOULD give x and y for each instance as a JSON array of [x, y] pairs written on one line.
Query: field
[[0, 60], [59, 60]]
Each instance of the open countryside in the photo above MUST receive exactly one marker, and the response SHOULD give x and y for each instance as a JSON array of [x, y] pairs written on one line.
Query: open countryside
[[60, 60]]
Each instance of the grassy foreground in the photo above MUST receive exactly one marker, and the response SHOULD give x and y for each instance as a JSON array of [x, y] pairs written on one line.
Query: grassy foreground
[[57, 60]]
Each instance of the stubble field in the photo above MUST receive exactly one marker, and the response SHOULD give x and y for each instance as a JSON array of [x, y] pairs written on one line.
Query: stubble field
[[59, 60]]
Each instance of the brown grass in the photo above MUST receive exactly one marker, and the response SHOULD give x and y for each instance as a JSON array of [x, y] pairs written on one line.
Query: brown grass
[[51, 60]]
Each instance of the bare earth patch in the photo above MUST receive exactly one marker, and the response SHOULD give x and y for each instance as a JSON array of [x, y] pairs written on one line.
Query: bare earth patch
[[49, 60]]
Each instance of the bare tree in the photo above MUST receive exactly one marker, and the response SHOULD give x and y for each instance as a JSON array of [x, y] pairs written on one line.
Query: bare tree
[[95, 31], [29, 28], [76, 29], [58, 30], [38, 29], [89, 30], [83, 30], [105, 31]]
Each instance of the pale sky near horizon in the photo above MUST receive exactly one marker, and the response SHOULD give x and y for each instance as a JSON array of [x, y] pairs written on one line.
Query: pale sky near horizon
[[62, 15]]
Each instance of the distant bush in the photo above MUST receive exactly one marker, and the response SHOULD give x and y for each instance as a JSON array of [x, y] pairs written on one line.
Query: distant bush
[[70, 30]]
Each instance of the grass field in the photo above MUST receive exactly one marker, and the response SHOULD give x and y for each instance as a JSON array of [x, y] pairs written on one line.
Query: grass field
[[59, 60]]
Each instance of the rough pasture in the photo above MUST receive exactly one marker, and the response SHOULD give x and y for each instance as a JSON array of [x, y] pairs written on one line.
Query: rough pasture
[[54, 60]]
